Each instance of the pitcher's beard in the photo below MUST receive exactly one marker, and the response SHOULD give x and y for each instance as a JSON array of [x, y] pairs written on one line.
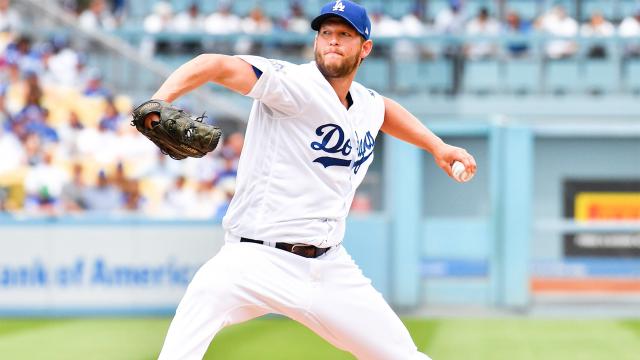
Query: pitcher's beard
[[348, 66]]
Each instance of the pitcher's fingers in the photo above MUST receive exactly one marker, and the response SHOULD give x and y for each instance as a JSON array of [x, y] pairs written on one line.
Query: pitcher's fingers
[[469, 163]]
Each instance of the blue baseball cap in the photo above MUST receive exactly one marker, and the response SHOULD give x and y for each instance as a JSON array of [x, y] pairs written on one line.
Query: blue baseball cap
[[353, 13]]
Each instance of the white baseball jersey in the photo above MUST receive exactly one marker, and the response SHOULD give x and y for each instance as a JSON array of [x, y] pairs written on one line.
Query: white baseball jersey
[[304, 156]]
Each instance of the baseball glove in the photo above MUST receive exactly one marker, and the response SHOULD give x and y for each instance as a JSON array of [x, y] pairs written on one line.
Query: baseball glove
[[177, 134]]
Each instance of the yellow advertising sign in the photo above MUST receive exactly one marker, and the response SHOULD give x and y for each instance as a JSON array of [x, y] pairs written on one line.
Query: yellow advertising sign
[[590, 206]]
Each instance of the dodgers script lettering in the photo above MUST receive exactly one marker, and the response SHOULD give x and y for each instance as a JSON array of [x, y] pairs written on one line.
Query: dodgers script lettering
[[334, 141]]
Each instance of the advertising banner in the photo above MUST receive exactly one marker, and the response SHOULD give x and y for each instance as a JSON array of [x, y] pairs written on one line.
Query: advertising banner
[[100, 268], [590, 201]]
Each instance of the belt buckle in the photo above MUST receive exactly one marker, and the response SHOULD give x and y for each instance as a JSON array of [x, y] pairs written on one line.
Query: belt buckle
[[303, 250]]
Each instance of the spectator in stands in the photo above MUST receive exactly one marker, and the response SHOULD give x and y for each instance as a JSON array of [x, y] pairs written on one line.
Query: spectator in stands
[[228, 188], [229, 169], [482, 25], [557, 23], [208, 200], [221, 22], [412, 25], [43, 186], [32, 112], [43, 129], [383, 25], [11, 70], [12, 153], [111, 118], [83, 71], [96, 17], [160, 19], [190, 20], [165, 169], [139, 152], [296, 21], [133, 201], [159, 177], [73, 192], [95, 87], [119, 178], [103, 198], [100, 145], [630, 28], [256, 23], [32, 148], [597, 27], [179, 199], [516, 26], [62, 65], [118, 9], [69, 133], [451, 19], [10, 19], [20, 54], [232, 148]]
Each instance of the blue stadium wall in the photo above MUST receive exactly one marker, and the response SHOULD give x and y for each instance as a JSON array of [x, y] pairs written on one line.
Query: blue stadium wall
[[435, 242]]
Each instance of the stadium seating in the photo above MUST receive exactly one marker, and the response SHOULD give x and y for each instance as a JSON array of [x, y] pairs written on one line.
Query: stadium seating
[[375, 74], [601, 76], [562, 76], [482, 76], [529, 75], [632, 75], [522, 76]]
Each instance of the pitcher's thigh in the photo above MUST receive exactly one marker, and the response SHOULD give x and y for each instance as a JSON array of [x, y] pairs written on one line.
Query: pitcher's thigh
[[211, 302], [350, 313]]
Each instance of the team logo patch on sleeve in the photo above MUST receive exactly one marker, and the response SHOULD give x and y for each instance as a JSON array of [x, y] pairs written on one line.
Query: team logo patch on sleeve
[[277, 66]]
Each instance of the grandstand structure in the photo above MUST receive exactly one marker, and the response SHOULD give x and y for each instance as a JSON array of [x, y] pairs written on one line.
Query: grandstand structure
[[551, 219], [531, 74]]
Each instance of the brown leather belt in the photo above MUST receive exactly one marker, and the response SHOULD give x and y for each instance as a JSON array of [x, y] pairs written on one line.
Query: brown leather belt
[[308, 251]]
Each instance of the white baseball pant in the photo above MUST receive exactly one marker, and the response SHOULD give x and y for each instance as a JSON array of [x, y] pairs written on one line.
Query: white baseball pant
[[328, 294]]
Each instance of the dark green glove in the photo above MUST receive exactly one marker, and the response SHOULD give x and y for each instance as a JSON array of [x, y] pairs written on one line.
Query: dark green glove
[[177, 134]]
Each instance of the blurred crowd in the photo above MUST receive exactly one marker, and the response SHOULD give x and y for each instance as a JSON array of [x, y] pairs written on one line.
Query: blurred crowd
[[67, 147], [455, 18]]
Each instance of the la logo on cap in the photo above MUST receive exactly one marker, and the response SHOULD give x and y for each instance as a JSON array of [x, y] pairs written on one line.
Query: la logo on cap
[[339, 6]]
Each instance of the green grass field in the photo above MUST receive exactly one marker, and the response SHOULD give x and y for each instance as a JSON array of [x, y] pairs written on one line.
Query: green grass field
[[275, 338]]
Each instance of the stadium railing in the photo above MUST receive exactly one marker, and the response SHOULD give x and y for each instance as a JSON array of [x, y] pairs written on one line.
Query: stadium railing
[[531, 73]]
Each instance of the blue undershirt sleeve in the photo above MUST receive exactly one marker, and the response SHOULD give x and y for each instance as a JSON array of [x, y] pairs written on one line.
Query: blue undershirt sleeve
[[257, 71]]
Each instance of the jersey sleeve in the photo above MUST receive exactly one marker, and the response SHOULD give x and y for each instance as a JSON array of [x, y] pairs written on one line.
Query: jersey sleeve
[[279, 87], [375, 104]]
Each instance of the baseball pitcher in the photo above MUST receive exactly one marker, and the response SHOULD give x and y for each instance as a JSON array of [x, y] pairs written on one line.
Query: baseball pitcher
[[309, 142]]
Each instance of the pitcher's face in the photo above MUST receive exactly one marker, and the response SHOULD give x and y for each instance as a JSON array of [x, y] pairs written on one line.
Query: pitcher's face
[[339, 48]]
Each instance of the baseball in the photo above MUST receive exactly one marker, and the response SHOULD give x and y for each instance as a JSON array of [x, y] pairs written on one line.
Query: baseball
[[459, 172]]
